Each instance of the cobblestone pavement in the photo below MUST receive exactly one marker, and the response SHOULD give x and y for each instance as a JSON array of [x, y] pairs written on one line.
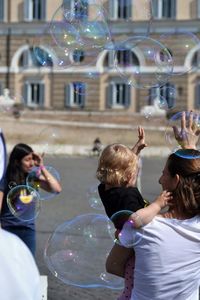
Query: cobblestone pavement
[[77, 175]]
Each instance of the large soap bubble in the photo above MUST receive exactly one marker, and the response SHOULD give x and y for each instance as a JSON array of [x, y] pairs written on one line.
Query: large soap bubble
[[180, 45], [143, 62], [33, 181], [76, 33], [93, 197], [76, 252], [49, 140]]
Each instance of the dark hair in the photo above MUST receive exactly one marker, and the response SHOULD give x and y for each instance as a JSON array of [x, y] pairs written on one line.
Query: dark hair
[[187, 193], [14, 172]]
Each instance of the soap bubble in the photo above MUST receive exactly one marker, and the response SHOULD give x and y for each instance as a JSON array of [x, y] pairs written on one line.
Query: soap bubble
[[33, 181], [76, 252], [24, 202], [175, 120]]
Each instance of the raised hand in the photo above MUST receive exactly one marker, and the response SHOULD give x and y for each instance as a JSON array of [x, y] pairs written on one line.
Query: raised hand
[[141, 141], [189, 133], [38, 159]]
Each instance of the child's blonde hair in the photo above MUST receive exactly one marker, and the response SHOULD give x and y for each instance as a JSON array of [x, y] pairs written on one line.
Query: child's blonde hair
[[117, 164]]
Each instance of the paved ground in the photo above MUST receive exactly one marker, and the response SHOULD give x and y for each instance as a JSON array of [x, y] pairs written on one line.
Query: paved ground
[[78, 174]]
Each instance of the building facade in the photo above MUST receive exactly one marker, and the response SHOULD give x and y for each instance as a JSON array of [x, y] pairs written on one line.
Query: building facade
[[97, 85]]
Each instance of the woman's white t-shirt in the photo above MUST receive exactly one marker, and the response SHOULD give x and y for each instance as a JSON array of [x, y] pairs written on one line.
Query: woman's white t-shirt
[[167, 265]]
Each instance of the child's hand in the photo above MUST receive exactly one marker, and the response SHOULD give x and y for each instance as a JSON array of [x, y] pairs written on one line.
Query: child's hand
[[164, 199], [38, 159], [141, 141], [189, 133]]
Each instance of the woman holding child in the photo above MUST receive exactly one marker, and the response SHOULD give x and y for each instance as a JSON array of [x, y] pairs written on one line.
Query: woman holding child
[[167, 258]]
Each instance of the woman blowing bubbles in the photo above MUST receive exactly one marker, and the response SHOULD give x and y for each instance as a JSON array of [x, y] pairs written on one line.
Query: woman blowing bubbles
[[22, 160], [167, 263]]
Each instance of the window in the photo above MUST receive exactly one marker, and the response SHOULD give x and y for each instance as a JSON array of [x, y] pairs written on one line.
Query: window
[[167, 92], [125, 58], [78, 8], [75, 93], [196, 59], [197, 95], [34, 10], [78, 56], [1, 10], [34, 94], [120, 9], [118, 94], [36, 57], [164, 9]]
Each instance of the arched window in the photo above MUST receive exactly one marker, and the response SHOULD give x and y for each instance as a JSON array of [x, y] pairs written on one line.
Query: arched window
[[125, 58], [196, 59], [36, 57]]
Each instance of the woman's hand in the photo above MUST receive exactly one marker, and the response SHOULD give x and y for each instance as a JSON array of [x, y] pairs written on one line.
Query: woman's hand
[[189, 133], [38, 159], [141, 141]]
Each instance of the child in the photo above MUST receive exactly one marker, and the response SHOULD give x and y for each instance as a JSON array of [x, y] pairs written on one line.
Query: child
[[117, 172]]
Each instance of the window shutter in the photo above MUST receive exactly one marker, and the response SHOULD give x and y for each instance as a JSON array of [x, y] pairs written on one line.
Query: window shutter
[[83, 96], [109, 95], [41, 95], [173, 9], [170, 97], [112, 9], [127, 101], [25, 93], [26, 10], [68, 95], [153, 93], [197, 96], [1, 10], [128, 4], [155, 8], [111, 56], [25, 58], [43, 9]]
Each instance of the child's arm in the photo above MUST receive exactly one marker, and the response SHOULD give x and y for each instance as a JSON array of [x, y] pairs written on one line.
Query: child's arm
[[141, 141], [145, 215]]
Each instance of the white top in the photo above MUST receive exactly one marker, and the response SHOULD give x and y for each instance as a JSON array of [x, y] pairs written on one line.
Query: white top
[[19, 276], [167, 263]]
